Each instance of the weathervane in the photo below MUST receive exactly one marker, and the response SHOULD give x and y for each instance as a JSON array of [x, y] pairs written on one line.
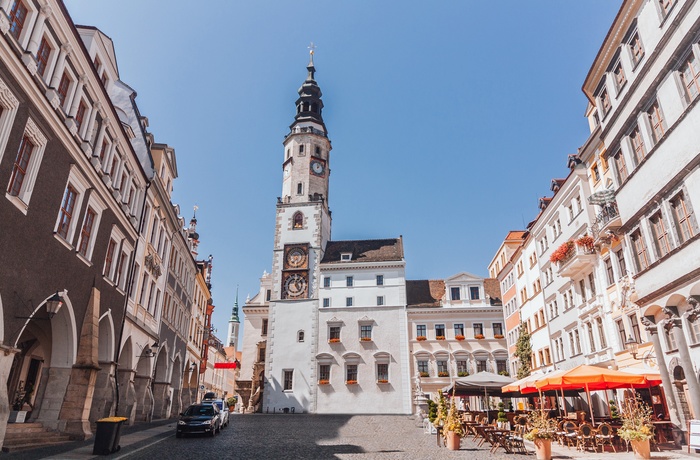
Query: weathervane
[[312, 50]]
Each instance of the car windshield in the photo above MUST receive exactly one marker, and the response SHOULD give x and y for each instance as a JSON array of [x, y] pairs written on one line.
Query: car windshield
[[200, 410]]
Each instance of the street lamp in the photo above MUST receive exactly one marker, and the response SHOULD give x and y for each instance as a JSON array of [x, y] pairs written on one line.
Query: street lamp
[[632, 346], [54, 304]]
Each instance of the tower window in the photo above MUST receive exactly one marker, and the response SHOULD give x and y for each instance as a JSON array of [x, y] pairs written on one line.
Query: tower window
[[301, 148], [318, 151], [300, 188], [298, 220]]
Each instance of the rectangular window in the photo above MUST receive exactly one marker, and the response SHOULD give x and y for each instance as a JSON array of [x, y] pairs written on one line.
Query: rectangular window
[[300, 188], [42, 56], [582, 288], [640, 250], [440, 330], [695, 330], [348, 281], [480, 365], [119, 277], [326, 281], [621, 262], [619, 75], [474, 293], [144, 286], [334, 333], [326, 302], [348, 301], [18, 15], [462, 368], [637, 145], [288, 379], [80, 115], [620, 166], [635, 328], [263, 330], [268, 295], [622, 334], [656, 120], [351, 373], [365, 332], [666, 6], [442, 368], [658, 229], [421, 330], [454, 293], [604, 102], [382, 372], [690, 76], [681, 218], [66, 213], [261, 355], [63, 88], [459, 329], [324, 372], [19, 169], [601, 333], [380, 300], [380, 280], [423, 368], [591, 283], [498, 329], [636, 47], [86, 231], [111, 247], [103, 150], [478, 329]]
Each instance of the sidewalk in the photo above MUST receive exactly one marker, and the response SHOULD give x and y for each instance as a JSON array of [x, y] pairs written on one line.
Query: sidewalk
[[562, 452], [133, 438]]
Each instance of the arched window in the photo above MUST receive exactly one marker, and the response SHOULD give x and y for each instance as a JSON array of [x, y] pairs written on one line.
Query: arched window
[[300, 336], [298, 220]]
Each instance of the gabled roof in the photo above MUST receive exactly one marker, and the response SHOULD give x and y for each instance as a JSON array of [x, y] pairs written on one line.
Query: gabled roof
[[463, 276], [364, 251], [424, 293]]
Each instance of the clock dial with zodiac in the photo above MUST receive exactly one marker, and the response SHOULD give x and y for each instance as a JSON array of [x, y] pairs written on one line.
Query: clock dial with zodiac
[[295, 285], [296, 258], [318, 167]]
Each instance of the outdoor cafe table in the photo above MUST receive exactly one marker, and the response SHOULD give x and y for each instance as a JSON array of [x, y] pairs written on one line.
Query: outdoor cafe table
[[498, 438]]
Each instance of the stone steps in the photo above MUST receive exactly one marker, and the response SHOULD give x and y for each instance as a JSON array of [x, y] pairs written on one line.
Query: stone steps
[[21, 436]]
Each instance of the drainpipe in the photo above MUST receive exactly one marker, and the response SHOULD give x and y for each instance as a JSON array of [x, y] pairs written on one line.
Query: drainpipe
[[129, 288]]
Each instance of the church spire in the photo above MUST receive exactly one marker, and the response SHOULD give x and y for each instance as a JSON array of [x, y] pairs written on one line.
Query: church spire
[[234, 311], [309, 105]]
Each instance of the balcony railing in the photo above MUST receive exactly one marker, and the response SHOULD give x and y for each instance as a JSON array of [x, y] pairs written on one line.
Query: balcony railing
[[607, 219], [305, 129], [578, 258]]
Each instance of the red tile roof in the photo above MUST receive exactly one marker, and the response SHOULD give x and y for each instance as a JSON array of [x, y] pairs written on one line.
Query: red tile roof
[[424, 293], [364, 250]]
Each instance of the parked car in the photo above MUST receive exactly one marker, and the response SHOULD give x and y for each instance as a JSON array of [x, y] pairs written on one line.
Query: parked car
[[199, 419], [223, 410]]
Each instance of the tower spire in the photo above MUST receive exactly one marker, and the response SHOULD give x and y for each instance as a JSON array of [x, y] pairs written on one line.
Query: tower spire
[[309, 105], [234, 311]]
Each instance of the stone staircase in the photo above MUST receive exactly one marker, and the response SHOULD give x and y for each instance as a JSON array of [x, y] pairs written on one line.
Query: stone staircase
[[21, 436]]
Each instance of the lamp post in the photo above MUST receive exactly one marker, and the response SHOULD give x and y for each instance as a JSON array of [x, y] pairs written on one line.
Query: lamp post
[[54, 304], [632, 346]]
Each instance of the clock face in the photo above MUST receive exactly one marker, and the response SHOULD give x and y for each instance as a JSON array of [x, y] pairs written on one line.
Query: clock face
[[295, 285], [317, 167], [296, 257]]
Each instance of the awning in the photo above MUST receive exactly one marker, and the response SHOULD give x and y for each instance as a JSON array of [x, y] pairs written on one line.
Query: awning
[[602, 197]]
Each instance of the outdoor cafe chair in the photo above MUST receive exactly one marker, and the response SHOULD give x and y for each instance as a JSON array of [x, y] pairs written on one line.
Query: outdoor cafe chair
[[570, 430], [605, 437], [516, 443], [585, 438], [560, 433]]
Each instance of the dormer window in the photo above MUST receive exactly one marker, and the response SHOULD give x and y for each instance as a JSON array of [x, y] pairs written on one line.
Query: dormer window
[[346, 256]]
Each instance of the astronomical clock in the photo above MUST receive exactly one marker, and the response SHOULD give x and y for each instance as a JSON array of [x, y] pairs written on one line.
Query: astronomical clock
[[295, 275]]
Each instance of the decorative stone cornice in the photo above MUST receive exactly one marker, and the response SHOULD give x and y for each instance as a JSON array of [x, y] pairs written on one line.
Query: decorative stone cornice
[[67, 48], [649, 326]]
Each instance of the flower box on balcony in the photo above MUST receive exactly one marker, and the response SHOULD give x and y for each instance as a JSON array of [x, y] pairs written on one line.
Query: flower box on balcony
[[462, 374], [479, 336], [333, 340], [324, 382], [562, 252], [365, 339], [351, 382], [586, 241], [498, 336], [421, 338], [459, 337], [382, 381], [439, 337], [424, 374], [443, 374]]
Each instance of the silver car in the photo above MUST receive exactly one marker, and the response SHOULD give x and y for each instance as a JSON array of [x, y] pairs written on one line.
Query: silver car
[[223, 410]]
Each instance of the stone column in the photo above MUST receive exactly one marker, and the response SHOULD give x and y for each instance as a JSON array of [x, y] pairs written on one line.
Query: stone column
[[104, 396], [7, 355], [674, 325], [161, 394], [60, 65], [75, 101], [29, 55], [653, 332], [144, 398], [127, 392], [74, 417]]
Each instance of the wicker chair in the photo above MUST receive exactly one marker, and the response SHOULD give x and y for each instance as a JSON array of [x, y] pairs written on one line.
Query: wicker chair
[[571, 430], [604, 437], [560, 433], [586, 438]]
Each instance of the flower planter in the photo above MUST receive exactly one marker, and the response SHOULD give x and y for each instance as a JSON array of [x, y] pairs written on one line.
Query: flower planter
[[479, 336], [642, 449], [421, 338], [382, 381], [443, 374], [334, 341], [351, 382], [459, 337], [452, 440], [323, 382], [439, 337], [498, 336], [424, 374], [543, 448]]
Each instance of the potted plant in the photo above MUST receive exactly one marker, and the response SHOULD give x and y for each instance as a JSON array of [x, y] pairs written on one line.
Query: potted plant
[[462, 373], [432, 411], [586, 242], [505, 373], [452, 428], [424, 374], [231, 402], [421, 338], [459, 337], [561, 252], [614, 413], [637, 427], [441, 411], [443, 374], [502, 420], [542, 429]]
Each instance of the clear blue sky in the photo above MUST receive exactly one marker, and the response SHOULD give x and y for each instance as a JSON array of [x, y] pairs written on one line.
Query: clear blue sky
[[448, 119]]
